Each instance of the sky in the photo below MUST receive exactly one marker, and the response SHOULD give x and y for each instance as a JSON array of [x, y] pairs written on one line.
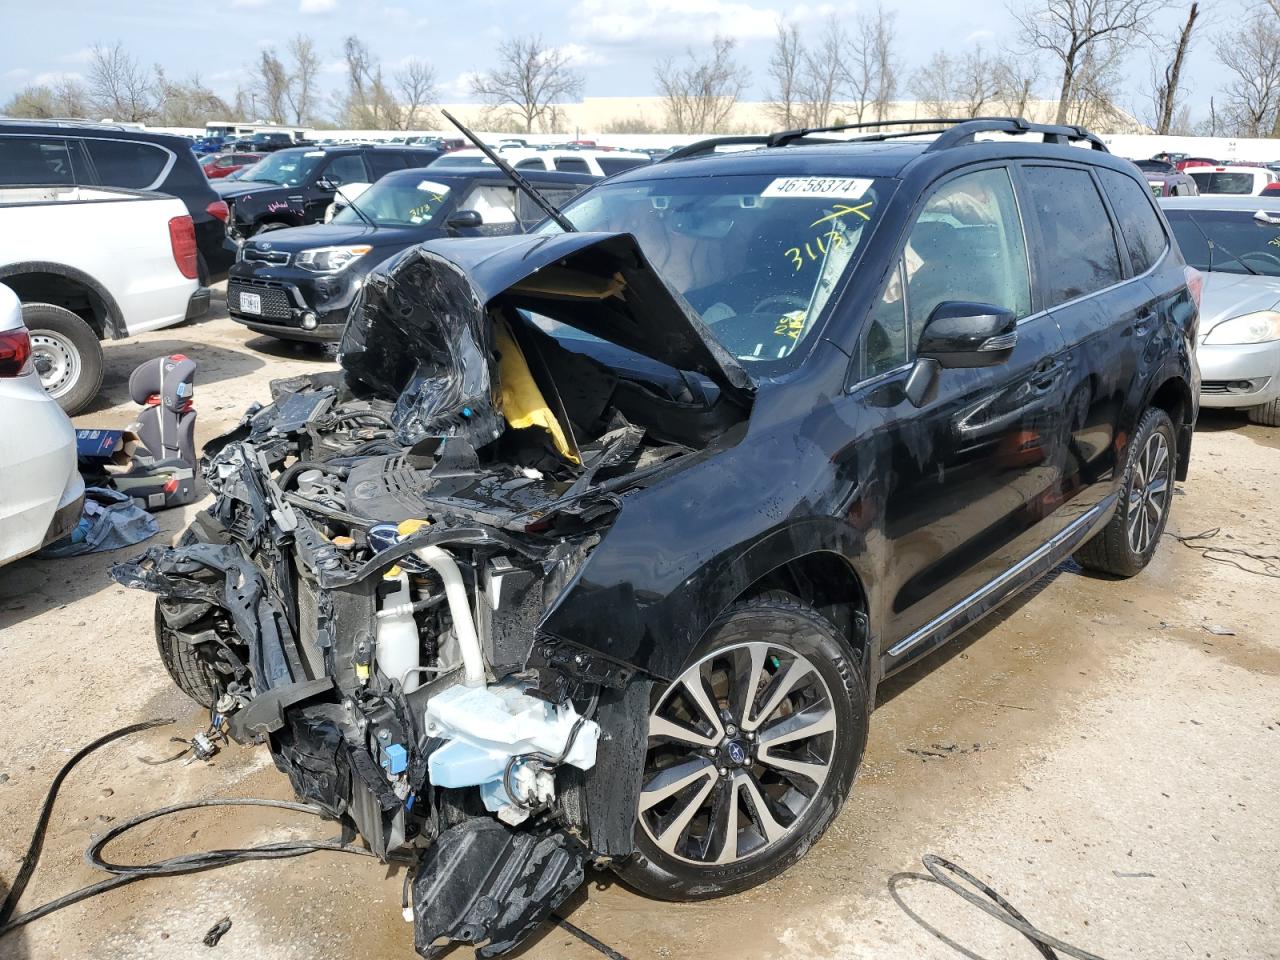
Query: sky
[[613, 43]]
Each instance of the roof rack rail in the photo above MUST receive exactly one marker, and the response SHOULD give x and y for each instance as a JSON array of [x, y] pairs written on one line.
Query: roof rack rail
[[958, 130], [74, 122]]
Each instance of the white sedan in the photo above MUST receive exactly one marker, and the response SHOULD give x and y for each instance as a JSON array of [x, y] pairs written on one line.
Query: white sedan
[[40, 489]]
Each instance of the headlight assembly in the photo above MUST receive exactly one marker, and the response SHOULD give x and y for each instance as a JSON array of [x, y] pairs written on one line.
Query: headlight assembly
[[1259, 327], [330, 259]]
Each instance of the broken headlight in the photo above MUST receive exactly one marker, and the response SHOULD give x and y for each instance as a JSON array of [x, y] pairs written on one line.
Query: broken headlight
[[330, 259]]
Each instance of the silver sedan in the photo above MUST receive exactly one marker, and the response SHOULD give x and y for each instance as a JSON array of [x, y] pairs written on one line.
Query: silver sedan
[[1235, 242]]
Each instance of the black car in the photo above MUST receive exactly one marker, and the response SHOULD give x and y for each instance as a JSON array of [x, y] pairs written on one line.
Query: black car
[[298, 284], [599, 545], [293, 187], [88, 154], [269, 142]]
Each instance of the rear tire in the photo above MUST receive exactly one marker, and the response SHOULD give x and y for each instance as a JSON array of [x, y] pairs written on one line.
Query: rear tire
[[1267, 414], [67, 354], [1129, 540], [790, 731]]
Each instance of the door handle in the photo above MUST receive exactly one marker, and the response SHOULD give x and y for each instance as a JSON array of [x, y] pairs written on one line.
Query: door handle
[[1144, 323], [1046, 372]]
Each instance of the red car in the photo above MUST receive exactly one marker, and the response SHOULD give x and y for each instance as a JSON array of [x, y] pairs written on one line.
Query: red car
[[217, 165]]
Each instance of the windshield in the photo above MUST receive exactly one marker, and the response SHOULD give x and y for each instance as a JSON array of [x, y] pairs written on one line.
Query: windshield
[[288, 168], [757, 257], [398, 202], [1227, 241]]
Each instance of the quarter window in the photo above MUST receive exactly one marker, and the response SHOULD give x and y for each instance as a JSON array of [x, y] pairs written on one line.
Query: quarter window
[[1079, 253], [572, 165], [127, 163], [966, 244], [382, 162], [1139, 226]]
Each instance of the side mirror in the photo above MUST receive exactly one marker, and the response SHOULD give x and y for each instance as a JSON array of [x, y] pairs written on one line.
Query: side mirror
[[464, 219], [324, 183], [963, 334]]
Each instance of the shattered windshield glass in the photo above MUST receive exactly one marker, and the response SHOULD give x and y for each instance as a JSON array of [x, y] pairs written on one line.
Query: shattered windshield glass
[[757, 257]]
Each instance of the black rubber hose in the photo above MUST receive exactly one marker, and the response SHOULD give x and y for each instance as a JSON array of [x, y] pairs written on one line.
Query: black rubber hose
[[991, 903], [32, 856]]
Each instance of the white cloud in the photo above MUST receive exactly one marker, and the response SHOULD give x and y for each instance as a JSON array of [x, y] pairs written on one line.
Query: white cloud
[[249, 3], [689, 21], [55, 76], [80, 56], [334, 67], [17, 73], [979, 36], [459, 88], [317, 6], [579, 56]]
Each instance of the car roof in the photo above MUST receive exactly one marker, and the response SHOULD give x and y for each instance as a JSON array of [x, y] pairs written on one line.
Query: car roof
[[491, 172], [1212, 201], [86, 128], [1224, 168]]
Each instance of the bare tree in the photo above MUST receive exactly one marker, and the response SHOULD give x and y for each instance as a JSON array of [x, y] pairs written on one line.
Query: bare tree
[[871, 63], [272, 87], [186, 103], [1075, 32], [368, 102], [119, 87], [822, 74], [1017, 78], [416, 82], [1252, 55], [785, 63], [301, 90], [699, 93], [1166, 73], [529, 80], [934, 84]]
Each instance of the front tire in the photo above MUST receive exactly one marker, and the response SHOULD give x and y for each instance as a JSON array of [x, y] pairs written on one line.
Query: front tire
[[1267, 414], [67, 355], [1129, 540], [751, 752]]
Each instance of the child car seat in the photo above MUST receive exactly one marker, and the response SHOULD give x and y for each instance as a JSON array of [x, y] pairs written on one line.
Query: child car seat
[[162, 473]]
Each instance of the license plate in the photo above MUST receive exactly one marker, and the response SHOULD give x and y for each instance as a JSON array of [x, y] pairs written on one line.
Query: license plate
[[251, 303]]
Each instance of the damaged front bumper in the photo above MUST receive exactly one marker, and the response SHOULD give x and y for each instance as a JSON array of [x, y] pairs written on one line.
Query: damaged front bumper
[[368, 590]]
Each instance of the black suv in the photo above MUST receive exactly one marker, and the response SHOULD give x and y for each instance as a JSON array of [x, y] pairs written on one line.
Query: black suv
[[293, 187], [88, 154], [298, 284], [599, 545]]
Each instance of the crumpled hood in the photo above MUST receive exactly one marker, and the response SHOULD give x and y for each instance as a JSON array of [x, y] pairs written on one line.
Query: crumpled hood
[[1228, 295], [421, 331]]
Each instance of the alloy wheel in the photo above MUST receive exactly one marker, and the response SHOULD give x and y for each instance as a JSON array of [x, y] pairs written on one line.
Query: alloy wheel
[[1149, 490], [56, 360], [739, 747]]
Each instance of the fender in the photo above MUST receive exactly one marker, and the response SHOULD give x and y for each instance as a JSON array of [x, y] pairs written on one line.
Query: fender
[[113, 324]]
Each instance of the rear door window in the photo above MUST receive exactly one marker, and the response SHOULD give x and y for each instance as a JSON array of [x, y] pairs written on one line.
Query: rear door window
[[1139, 224], [1079, 253], [382, 162], [127, 163], [572, 165], [530, 213], [35, 160], [348, 168]]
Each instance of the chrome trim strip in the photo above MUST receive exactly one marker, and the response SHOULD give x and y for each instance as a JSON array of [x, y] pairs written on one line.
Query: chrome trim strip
[[1042, 551]]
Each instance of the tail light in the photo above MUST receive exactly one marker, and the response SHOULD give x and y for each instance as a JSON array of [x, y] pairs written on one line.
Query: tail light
[[1195, 283], [15, 353], [182, 237], [219, 209]]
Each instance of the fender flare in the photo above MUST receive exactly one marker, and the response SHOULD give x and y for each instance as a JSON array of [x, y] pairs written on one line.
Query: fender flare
[[114, 325]]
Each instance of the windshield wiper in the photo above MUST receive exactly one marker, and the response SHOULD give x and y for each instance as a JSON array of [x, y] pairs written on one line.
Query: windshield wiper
[[1215, 246], [545, 205], [361, 214]]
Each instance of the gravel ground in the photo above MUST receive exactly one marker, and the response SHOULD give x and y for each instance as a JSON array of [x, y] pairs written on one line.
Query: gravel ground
[[1103, 753]]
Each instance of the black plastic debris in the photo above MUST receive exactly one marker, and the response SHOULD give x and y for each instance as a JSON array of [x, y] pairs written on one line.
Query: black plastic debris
[[217, 931]]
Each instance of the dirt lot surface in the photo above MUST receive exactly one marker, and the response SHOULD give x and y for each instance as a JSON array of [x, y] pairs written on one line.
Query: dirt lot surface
[[1104, 753]]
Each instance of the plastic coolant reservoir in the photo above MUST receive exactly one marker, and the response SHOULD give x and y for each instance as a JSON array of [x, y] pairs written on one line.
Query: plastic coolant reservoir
[[487, 726], [397, 651]]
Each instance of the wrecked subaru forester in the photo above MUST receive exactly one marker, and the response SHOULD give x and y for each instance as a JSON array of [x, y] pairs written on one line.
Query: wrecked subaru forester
[[594, 551]]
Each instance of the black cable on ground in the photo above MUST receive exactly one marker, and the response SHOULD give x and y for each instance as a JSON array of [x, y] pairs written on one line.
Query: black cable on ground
[[1270, 562], [587, 938], [994, 905], [32, 856]]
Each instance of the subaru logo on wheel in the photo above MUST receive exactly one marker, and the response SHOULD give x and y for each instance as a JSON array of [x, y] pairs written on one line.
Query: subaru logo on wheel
[[736, 753]]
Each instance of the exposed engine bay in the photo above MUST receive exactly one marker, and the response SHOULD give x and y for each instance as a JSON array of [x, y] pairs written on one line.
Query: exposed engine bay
[[369, 590]]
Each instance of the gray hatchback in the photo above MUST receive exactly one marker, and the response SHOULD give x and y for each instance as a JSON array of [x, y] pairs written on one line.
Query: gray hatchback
[[1235, 241]]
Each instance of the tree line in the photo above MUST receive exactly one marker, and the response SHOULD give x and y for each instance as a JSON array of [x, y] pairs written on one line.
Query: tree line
[[842, 70]]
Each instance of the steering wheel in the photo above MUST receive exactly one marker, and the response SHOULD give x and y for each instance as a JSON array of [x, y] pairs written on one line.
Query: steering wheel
[[1264, 256], [788, 300]]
